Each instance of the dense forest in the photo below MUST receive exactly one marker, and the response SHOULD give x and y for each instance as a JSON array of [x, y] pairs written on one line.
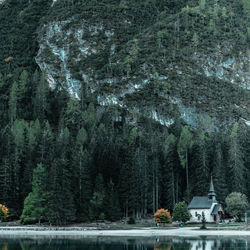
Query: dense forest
[[76, 160]]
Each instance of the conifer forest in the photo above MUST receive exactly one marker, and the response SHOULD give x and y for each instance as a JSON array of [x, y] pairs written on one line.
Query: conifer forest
[[116, 108]]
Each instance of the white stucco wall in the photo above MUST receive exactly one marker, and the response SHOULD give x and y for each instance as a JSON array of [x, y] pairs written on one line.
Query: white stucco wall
[[207, 212], [195, 218]]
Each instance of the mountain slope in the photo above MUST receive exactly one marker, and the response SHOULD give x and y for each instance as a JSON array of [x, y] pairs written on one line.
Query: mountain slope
[[153, 61]]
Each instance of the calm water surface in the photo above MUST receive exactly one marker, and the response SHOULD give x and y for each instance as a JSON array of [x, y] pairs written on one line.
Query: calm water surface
[[120, 243]]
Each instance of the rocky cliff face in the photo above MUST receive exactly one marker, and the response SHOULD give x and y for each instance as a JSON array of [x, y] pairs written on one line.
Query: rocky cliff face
[[152, 73]]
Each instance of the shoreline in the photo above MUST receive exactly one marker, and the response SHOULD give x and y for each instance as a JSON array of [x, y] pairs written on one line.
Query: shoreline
[[31, 232]]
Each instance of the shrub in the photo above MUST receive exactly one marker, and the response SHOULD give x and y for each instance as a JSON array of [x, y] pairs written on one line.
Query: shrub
[[162, 216], [180, 212], [237, 204], [203, 220], [12, 215], [131, 220], [102, 216], [3, 212], [29, 220]]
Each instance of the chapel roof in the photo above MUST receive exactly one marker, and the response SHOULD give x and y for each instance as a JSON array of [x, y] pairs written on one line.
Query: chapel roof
[[200, 202], [216, 209], [211, 193]]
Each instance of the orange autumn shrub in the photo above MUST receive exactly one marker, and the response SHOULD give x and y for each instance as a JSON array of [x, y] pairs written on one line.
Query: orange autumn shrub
[[3, 212], [162, 216]]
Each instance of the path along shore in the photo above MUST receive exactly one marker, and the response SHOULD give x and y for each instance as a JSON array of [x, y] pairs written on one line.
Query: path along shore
[[86, 232]]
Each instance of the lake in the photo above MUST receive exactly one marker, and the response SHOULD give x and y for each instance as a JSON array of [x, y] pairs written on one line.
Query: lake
[[125, 243]]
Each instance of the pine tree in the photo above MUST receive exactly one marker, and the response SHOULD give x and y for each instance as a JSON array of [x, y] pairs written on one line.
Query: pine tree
[[200, 164], [8, 193], [236, 163], [246, 7], [13, 103], [125, 182], [84, 180], [6, 183], [244, 135], [111, 203], [46, 145], [180, 212], [202, 4], [35, 204], [97, 201], [33, 139], [73, 116], [124, 186], [82, 175], [184, 145], [24, 96], [219, 166], [4, 89], [90, 118], [17, 162], [195, 40], [168, 180], [40, 101], [61, 205]]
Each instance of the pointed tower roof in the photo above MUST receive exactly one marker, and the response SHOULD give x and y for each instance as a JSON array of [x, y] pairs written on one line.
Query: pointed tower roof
[[211, 189], [212, 194]]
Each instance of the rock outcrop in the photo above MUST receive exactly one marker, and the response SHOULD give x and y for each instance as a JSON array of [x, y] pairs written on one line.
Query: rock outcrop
[[131, 72]]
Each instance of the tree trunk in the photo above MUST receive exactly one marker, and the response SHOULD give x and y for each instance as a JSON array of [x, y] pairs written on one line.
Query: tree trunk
[[177, 188], [156, 192], [187, 175], [126, 208], [153, 191], [173, 195], [145, 202]]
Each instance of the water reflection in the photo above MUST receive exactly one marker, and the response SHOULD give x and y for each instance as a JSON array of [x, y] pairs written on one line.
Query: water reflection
[[123, 243], [204, 244]]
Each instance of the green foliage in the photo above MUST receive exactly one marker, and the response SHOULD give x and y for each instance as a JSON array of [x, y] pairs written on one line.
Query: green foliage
[[111, 203], [219, 163], [237, 204], [200, 162], [170, 141], [13, 102], [35, 204], [195, 40], [20, 44], [131, 221], [202, 4], [76, 141], [82, 176], [170, 171], [185, 143], [203, 221], [234, 130], [246, 7], [98, 198], [102, 216], [236, 164], [40, 101], [180, 212]]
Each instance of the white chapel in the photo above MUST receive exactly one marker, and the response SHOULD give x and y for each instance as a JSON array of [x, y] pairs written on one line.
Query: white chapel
[[208, 204]]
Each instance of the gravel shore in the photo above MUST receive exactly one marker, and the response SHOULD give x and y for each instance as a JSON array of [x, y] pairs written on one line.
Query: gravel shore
[[85, 232]]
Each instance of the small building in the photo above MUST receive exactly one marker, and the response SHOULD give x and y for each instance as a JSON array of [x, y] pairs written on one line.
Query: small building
[[208, 204]]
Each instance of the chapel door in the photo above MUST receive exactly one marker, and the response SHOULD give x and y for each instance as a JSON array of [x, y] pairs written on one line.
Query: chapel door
[[215, 218]]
